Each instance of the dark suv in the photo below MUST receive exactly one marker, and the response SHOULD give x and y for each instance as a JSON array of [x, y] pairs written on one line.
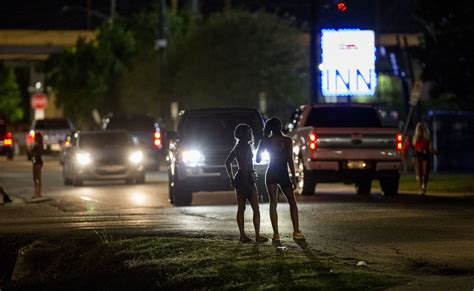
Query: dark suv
[[200, 146], [144, 129], [6, 141]]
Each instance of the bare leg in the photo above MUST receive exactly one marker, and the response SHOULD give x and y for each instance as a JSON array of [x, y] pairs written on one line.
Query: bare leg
[[273, 193], [240, 217], [418, 172], [256, 215], [425, 174], [290, 196]]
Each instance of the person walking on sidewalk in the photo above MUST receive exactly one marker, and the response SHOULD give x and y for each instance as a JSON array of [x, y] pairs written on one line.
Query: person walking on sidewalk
[[6, 198], [243, 181], [423, 151], [37, 160], [280, 149]]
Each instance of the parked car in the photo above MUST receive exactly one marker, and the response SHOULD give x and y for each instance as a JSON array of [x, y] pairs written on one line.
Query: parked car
[[344, 143], [103, 155], [198, 150], [6, 141], [54, 131], [144, 129]]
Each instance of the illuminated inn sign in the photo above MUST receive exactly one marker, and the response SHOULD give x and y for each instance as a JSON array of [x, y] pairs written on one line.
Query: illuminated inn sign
[[348, 62]]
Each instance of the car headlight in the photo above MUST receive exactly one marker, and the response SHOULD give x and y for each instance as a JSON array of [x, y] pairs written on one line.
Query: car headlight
[[136, 157], [192, 158], [83, 158]]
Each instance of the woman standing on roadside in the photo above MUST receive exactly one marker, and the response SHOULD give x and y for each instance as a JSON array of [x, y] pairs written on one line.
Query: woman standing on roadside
[[37, 160], [280, 149], [423, 150], [243, 181]]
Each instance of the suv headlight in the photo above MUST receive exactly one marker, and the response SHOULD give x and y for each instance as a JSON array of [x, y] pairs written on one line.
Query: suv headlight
[[192, 158], [264, 158], [136, 157], [84, 159]]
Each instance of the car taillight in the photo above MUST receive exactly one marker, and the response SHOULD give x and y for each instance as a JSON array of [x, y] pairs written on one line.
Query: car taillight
[[313, 138], [399, 139], [157, 139], [8, 140]]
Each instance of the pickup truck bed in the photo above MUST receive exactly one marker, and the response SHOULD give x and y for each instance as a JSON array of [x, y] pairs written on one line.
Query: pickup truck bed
[[345, 143]]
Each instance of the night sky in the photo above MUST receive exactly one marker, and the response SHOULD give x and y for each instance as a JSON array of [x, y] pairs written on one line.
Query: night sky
[[394, 15]]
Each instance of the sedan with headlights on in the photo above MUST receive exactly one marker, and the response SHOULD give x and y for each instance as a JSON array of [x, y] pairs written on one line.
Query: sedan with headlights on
[[103, 155]]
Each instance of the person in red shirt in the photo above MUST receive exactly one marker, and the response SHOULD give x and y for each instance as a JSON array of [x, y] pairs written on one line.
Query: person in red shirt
[[423, 150]]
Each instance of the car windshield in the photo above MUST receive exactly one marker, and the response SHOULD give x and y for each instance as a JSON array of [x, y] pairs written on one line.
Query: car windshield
[[218, 127], [52, 124], [105, 139], [343, 117], [132, 124]]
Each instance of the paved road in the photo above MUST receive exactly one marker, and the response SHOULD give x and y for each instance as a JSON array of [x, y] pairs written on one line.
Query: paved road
[[406, 233]]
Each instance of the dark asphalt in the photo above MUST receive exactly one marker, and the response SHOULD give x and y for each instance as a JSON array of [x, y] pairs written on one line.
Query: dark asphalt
[[407, 234]]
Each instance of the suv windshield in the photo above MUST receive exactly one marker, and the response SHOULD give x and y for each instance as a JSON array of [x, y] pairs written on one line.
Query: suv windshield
[[218, 127], [343, 117], [131, 123], [52, 124], [105, 139]]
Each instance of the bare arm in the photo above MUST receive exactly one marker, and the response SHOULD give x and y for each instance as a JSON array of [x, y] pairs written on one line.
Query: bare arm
[[228, 162], [260, 149], [291, 162]]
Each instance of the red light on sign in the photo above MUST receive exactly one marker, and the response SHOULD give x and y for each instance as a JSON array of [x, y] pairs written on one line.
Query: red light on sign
[[341, 6]]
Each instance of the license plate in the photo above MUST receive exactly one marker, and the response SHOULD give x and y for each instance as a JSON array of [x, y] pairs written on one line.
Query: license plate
[[356, 165], [112, 168], [55, 147]]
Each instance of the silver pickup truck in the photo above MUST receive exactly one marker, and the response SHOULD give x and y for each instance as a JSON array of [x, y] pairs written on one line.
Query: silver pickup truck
[[344, 143]]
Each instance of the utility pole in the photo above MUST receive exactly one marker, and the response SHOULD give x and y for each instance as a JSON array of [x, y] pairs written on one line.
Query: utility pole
[[88, 14], [160, 45], [112, 10], [314, 52]]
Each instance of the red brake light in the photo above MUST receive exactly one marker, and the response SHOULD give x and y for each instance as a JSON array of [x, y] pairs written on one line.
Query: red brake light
[[313, 137], [399, 139], [8, 141], [157, 139]]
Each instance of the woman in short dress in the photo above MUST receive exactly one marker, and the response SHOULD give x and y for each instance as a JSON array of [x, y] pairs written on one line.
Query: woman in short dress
[[280, 149], [423, 150], [243, 181]]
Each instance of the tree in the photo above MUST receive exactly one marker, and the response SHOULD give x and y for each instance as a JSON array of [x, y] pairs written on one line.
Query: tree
[[10, 96], [232, 57], [446, 51]]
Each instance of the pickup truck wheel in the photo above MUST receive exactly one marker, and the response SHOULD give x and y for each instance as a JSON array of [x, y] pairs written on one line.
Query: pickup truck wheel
[[363, 187], [10, 155], [181, 196], [262, 191], [66, 179], [77, 182], [389, 186], [140, 179], [305, 183], [178, 196]]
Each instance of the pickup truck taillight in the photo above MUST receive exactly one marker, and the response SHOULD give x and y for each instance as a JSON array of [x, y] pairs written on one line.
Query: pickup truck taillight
[[157, 139], [399, 138], [313, 137], [8, 140]]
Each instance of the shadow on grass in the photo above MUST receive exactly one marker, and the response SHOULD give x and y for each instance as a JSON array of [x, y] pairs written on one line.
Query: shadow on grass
[[155, 263]]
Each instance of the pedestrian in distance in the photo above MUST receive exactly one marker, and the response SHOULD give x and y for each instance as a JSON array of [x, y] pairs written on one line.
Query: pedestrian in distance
[[37, 160], [423, 150], [243, 180], [6, 198], [280, 149]]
